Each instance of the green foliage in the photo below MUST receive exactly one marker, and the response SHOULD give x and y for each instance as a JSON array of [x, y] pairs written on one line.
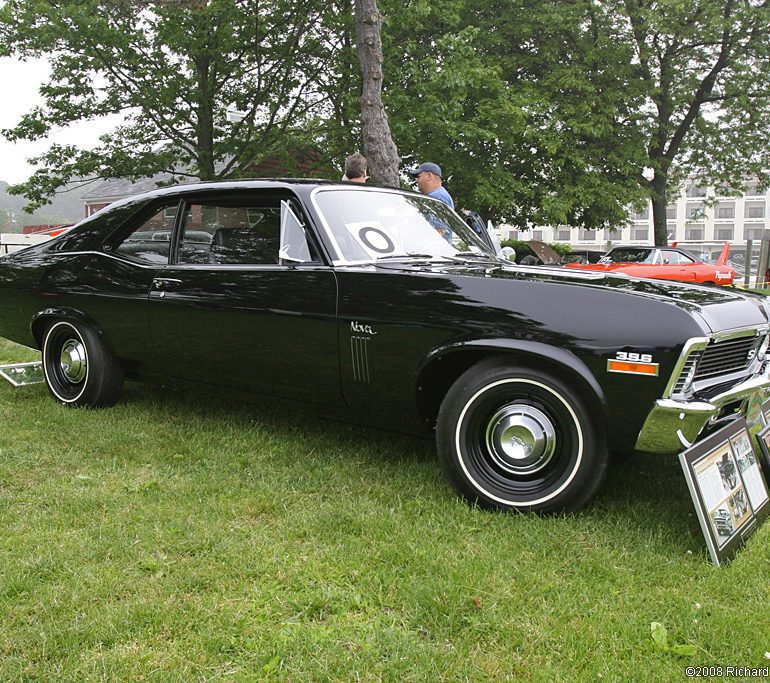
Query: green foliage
[[516, 101], [557, 113], [702, 71], [173, 70], [659, 634]]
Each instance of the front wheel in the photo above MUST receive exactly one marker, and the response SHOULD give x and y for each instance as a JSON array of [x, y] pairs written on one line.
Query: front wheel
[[79, 369], [517, 439]]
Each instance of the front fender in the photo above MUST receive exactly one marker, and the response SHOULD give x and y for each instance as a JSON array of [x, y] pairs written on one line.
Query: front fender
[[445, 363]]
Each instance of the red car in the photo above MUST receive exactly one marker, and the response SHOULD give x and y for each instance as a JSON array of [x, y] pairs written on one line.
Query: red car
[[664, 263]]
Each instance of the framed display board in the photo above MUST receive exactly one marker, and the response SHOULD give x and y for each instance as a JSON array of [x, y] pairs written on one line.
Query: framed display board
[[727, 487], [21, 374], [766, 412], [763, 439]]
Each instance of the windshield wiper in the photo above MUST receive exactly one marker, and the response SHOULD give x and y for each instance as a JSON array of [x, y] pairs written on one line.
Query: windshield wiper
[[412, 255], [462, 255]]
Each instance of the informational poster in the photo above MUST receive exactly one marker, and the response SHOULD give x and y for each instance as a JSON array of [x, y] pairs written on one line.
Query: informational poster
[[728, 488]]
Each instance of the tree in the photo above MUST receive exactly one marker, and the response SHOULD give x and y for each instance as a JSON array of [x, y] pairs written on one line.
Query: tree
[[378, 143], [174, 70], [703, 70], [516, 99], [570, 111]]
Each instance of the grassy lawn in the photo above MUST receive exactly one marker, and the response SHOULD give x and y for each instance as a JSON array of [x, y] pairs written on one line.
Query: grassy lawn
[[178, 537]]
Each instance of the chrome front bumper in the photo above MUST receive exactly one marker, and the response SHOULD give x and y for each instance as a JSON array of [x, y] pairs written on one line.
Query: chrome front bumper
[[673, 425]]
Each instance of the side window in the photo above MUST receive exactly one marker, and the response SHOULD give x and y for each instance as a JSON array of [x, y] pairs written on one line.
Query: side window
[[238, 235], [675, 258], [151, 240]]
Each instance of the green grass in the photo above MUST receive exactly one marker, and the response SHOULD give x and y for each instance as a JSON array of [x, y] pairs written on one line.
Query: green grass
[[178, 538]]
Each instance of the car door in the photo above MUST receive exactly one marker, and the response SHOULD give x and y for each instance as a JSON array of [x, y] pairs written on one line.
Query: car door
[[681, 267], [229, 311]]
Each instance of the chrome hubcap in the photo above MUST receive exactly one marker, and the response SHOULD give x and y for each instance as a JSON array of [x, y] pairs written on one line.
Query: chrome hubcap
[[73, 361], [520, 439]]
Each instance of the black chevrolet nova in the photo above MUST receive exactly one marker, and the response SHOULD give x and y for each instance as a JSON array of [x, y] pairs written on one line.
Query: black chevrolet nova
[[385, 307]]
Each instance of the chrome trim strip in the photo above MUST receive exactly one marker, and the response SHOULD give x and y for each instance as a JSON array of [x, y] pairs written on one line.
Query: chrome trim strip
[[106, 254], [754, 331]]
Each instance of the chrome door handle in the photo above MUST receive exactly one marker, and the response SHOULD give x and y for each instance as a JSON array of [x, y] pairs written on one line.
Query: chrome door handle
[[165, 282]]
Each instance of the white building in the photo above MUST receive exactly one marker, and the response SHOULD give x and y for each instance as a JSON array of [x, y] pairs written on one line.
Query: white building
[[735, 219]]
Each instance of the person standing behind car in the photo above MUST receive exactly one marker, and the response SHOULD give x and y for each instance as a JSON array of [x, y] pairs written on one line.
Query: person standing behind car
[[429, 181], [356, 168]]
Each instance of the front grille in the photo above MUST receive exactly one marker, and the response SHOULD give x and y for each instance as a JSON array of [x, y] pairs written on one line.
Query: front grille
[[727, 357]]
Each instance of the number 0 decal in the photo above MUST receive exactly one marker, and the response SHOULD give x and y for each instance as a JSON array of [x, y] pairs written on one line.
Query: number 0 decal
[[376, 240]]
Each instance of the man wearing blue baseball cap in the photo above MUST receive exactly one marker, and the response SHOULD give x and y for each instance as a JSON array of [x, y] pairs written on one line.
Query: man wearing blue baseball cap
[[428, 177]]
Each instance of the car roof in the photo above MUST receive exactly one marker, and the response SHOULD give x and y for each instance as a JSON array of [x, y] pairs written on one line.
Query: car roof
[[255, 183]]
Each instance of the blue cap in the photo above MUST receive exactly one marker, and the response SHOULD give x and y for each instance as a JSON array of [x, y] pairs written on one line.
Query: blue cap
[[435, 169]]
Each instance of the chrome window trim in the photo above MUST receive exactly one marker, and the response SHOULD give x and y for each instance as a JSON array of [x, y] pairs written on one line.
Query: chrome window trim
[[120, 258]]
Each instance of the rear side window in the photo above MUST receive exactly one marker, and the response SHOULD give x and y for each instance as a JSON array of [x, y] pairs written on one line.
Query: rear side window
[[150, 241]]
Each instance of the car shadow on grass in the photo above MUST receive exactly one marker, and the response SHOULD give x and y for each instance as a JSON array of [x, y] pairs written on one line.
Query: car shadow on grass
[[284, 418], [646, 495]]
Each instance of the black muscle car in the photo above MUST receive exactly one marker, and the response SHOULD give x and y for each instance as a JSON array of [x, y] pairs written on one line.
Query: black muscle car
[[385, 307]]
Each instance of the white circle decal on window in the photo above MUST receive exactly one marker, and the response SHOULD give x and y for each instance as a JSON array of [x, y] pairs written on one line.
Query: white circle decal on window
[[376, 240]]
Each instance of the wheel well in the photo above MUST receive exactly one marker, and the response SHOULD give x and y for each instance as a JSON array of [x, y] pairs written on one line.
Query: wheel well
[[39, 326], [439, 375], [42, 322]]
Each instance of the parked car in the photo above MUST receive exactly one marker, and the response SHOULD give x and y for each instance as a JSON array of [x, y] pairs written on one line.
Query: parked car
[[664, 263], [351, 298], [13, 241], [582, 256]]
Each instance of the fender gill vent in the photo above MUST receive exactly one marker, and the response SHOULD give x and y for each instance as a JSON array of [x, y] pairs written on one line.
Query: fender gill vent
[[359, 350]]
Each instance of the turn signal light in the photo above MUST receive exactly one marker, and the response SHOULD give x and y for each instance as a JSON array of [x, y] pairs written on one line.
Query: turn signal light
[[650, 369]]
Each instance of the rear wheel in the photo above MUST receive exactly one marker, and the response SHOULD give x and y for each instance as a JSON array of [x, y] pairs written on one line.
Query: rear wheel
[[512, 438], [79, 369]]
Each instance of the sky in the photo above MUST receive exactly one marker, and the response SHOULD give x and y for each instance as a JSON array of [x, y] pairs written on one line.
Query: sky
[[19, 83]]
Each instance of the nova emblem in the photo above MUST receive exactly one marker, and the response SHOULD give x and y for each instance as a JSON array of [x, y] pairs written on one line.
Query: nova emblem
[[358, 327]]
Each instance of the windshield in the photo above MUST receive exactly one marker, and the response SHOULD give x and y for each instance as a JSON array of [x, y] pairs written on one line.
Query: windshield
[[629, 256], [375, 225]]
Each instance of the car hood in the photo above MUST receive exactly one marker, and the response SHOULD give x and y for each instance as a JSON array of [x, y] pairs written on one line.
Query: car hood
[[719, 308]]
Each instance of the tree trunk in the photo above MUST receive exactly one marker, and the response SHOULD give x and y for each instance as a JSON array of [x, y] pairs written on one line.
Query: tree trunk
[[379, 148], [659, 204], [205, 122]]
